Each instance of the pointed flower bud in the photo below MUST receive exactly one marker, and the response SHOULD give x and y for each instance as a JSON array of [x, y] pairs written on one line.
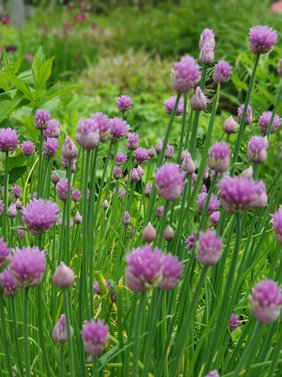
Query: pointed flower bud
[[63, 276], [149, 233], [198, 101]]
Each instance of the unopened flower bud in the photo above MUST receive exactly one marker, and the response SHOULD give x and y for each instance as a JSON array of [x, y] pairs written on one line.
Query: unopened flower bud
[[12, 211], [198, 101], [149, 233], [63, 276], [229, 125], [168, 233]]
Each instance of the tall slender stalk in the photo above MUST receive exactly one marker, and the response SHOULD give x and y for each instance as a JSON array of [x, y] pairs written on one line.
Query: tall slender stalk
[[26, 340]]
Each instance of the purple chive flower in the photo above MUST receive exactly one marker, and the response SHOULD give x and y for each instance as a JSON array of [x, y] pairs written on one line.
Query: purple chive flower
[[169, 152], [55, 177], [261, 195], [229, 125], [8, 139], [12, 211], [119, 128], [190, 241], [213, 373], [121, 193], [120, 158], [234, 322], [170, 103], [105, 204], [215, 217], [277, 224], [168, 233], [265, 301], [209, 248], [262, 39], [103, 126], [247, 173], [126, 218], [141, 155], [41, 119], [171, 272], [132, 141], [50, 147], [62, 189], [95, 337], [52, 129], [169, 181], [222, 72], [20, 233], [187, 164], [159, 211], [257, 149], [87, 134], [280, 67], [63, 276], [207, 45], [28, 148], [16, 191], [198, 101], [148, 190], [249, 114], [152, 152], [18, 204], [77, 218], [237, 193], [136, 174], [213, 203], [144, 268], [159, 146], [108, 285], [124, 103], [219, 157], [76, 195], [186, 74], [264, 121], [66, 163], [59, 332], [8, 283], [4, 251], [149, 233], [69, 150], [117, 173], [40, 215], [28, 266]]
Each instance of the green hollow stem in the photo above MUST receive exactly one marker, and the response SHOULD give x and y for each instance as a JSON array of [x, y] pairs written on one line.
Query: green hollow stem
[[136, 344], [68, 214], [182, 127], [70, 340], [39, 186], [95, 371], [16, 335], [62, 366], [242, 122], [26, 340], [6, 182]]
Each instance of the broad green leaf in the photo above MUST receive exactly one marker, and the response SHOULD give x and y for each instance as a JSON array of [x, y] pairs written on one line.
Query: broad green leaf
[[7, 107], [17, 83]]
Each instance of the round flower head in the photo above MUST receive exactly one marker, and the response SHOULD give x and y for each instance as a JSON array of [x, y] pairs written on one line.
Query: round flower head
[[62, 189], [144, 268], [213, 373], [63, 276], [262, 39], [136, 174], [159, 211], [132, 141], [141, 155], [219, 157], [237, 193], [55, 177], [152, 152], [215, 217], [40, 215], [4, 251], [170, 103], [28, 266], [16, 191], [87, 135], [126, 218], [124, 103], [213, 203], [187, 164], [234, 322], [186, 74], [117, 172], [41, 119], [229, 125], [8, 139], [52, 129], [20, 233], [169, 181], [209, 248], [264, 121], [277, 224], [28, 148], [265, 301], [148, 190], [248, 117], [12, 211], [257, 149], [168, 233], [95, 337], [222, 72], [190, 241], [50, 147], [169, 152], [119, 128], [198, 101], [120, 158], [171, 272], [59, 333], [207, 45], [261, 195], [280, 68], [69, 150], [76, 195], [8, 283], [103, 126]]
